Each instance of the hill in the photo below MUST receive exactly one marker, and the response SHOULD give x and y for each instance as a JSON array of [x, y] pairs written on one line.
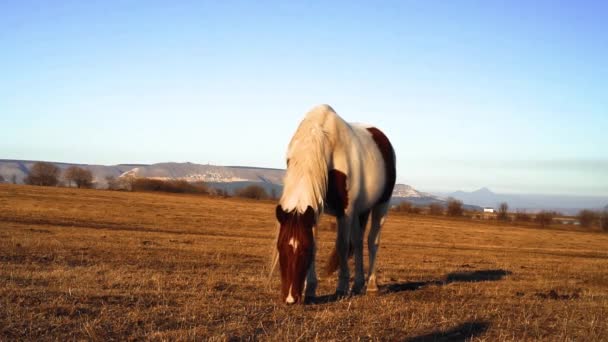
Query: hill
[[227, 178]]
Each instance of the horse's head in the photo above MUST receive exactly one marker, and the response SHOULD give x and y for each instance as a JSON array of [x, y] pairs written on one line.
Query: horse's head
[[295, 245]]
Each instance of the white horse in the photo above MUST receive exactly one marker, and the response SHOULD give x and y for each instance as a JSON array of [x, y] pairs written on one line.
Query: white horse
[[347, 170]]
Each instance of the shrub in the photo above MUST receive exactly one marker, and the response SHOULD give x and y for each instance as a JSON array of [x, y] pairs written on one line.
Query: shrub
[[545, 218], [587, 217], [604, 221], [435, 209], [44, 174], [454, 207], [82, 178], [503, 212], [522, 216], [253, 192], [407, 207], [175, 186], [221, 192], [113, 183]]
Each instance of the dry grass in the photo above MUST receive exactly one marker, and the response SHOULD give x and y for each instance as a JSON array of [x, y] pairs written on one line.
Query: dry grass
[[102, 265]]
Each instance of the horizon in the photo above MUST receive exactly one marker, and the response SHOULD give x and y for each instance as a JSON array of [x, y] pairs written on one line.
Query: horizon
[[472, 95], [442, 193]]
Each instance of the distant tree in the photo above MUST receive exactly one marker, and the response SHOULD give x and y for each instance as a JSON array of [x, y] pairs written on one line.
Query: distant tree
[[252, 191], [221, 192], [273, 194], [1, 179], [44, 174], [176, 186], [604, 220], [544, 218], [503, 212], [14, 178], [81, 177], [587, 217], [435, 209], [112, 183], [454, 207], [404, 207], [522, 216]]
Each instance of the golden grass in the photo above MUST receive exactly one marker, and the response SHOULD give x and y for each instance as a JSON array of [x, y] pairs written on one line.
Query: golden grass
[[101, 265]]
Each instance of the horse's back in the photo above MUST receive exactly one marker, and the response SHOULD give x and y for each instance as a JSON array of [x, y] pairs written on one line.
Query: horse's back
[[377, 164]]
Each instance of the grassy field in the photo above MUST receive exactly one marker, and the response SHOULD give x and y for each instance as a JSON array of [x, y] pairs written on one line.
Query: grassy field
[[102, 265]]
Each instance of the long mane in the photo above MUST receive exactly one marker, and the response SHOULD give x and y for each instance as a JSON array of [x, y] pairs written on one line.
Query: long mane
[[305, 182]]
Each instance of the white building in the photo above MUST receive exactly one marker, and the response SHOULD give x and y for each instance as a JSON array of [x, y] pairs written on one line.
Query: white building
[[488, 210]]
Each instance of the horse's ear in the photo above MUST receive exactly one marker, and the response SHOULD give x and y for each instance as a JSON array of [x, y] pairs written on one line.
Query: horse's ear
[[309, 216], [281, 214]]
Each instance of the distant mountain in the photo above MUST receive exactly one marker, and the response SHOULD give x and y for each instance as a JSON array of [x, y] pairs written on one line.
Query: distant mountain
[[227, 178], [207, 173], [403, 193], [566, 204], [191, 172]]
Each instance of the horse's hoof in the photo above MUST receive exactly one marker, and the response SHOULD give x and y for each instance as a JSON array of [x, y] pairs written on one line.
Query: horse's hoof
[[341, 294], [309, 299], [358, 290]]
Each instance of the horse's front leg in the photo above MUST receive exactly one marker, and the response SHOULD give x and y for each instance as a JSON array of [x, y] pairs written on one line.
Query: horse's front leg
[[342, 247], [311, 276]]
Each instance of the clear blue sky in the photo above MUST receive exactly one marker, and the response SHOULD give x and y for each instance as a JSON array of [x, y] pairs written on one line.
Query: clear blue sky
[[507, 94]]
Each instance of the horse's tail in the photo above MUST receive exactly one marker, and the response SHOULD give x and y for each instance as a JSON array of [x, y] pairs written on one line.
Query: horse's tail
[[275, 257], [334, 260]]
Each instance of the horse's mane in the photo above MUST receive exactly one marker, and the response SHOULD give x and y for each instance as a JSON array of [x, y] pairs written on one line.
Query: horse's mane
[[305, 182]]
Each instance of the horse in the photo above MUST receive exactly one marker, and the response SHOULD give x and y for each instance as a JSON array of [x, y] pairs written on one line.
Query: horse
[[343, 169]]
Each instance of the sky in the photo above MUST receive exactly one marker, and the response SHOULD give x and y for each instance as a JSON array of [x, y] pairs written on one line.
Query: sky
[[511, 95]]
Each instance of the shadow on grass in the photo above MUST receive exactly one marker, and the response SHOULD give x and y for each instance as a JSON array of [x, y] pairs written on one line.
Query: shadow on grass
[[462, 332], [454, 277]]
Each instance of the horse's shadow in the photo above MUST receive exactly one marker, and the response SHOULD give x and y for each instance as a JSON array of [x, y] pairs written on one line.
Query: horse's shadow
[[454, 277], [462, 332]]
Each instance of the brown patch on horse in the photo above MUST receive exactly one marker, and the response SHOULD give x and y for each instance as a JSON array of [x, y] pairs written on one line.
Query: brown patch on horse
[[295, 245], [334, 261], [337, 194], [388, 154]]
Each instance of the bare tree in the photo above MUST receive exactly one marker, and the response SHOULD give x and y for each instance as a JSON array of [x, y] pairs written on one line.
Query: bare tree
[[81, 177], [44, 174], [252, 191], [404, 207], [545, 218], [273, 194], [113, 183], [604, 221], [454, 207], [1, 179], [522, 216], [503, 212], [435, 209], [587, 217], [14, 178]]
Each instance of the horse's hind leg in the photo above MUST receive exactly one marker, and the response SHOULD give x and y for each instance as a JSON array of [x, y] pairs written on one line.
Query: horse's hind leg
[[358, 231], [373, 242], [357, 242]]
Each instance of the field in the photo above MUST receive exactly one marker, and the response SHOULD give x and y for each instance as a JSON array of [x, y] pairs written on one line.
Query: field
[[103, 265]]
